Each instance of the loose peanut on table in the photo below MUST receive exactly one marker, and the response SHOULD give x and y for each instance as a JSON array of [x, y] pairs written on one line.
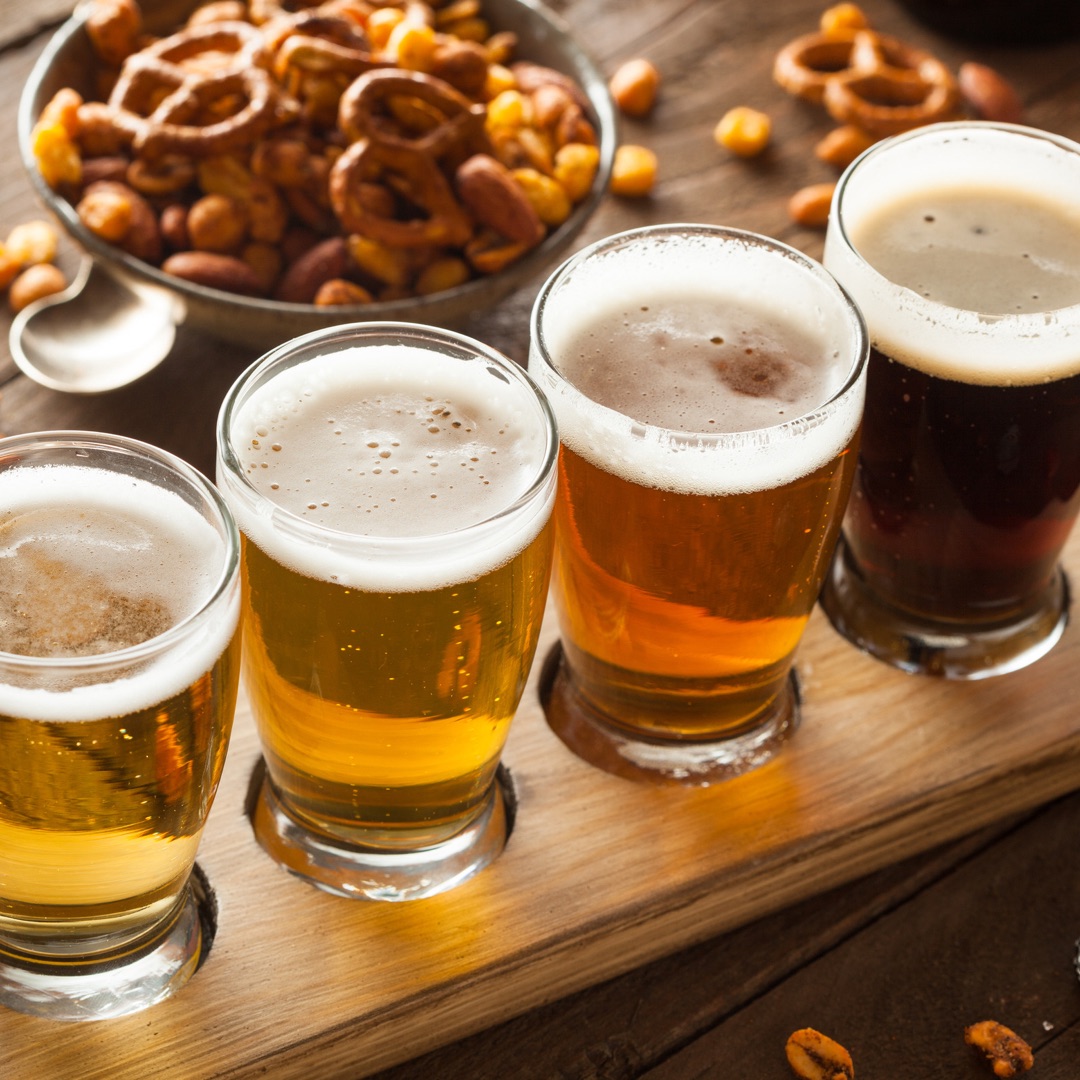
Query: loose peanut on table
[[743, 131], [1007, 1053], [810, 206], [813, 1056], [634, 87], [35, 283], [633, 172]]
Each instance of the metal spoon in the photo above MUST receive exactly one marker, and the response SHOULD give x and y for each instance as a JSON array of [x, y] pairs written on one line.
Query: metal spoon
[[98, 334]]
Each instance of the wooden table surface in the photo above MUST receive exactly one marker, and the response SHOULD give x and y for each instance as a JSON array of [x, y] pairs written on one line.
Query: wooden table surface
[[894, 965]]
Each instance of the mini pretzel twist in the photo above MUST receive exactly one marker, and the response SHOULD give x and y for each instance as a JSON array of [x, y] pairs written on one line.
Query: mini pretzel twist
[[876, 82], [414, 174], [164, 89], [311, 41], [373, 104]]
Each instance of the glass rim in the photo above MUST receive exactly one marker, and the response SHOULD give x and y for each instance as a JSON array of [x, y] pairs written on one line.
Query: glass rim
[[858, 338], [197, 483], [297, 350], [941, 129]]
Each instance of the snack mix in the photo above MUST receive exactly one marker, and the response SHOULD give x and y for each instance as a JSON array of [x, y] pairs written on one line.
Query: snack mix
[[345, 153]]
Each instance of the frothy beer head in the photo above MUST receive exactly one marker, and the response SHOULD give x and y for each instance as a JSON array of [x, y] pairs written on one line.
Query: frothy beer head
[[961, 245], [699, 360], [93, 562], [382, 448]]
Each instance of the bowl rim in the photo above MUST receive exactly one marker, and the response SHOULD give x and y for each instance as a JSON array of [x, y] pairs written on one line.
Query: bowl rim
[[588, 76]]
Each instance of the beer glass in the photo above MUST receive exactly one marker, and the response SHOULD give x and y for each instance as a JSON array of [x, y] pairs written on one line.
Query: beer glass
[[393, 484], [119, 660], [961, 245], [708, 385]]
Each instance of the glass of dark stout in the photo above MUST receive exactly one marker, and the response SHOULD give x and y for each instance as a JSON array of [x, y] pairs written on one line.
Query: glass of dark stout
[[961, 245], [708, 385]]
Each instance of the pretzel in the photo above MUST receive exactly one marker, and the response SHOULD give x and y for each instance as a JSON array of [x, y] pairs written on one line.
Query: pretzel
[[312, 41], [415, 175], [163, 89], [877, 82], [374, 104]]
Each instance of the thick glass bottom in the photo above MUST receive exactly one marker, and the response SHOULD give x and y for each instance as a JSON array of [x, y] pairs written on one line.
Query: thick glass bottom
[[109, 984], [594, 738], [924, 647], [369, 872]]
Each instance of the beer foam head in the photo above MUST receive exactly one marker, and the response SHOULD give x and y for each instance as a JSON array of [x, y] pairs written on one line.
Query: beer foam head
[[1013, 164], [768, 386], [93, 562], [391, 466]]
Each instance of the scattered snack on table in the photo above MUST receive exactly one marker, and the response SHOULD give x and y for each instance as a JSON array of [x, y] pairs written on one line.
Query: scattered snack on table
[[633, 174], [634, 87], [227, 150], [843, 17], [1007, 1053], [988, 94], [813, 1056], [743, 131], [809, 206], [35, 283], [26, 268]]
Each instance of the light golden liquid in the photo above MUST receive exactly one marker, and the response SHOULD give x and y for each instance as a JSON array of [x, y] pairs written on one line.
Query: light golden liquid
[[681, 613], [100, 819], [387, 712]]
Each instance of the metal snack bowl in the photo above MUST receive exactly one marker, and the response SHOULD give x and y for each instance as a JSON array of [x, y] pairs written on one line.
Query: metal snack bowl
[[543, 38]]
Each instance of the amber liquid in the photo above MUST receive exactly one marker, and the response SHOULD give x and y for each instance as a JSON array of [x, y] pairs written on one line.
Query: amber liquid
[[100, 819], [387, 712], [965, 494], [681, 613]]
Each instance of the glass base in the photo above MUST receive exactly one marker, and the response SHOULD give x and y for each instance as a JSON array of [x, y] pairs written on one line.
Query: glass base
[[109, 985], [585, 730], [371, 873], [928, 648]]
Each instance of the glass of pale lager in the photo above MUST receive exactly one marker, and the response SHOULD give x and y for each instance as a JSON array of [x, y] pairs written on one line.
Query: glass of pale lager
[[393, 485], [708, 385], [119, 660], [961, 245]]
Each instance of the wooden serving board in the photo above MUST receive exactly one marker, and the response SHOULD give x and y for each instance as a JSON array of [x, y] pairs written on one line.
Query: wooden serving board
[[600, 875]]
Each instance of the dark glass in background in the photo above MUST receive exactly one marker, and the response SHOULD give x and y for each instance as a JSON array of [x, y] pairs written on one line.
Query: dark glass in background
[[1000, 22]]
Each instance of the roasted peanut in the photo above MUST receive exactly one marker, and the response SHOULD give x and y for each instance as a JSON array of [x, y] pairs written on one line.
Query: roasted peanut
[[841, 18], [444, 273], [9, 268], [633, 173], [810, 206], [217, 223], [813, 1056], [843, 145], [339, 291], [106, 212], [634, 87], [114, 28], [34, 283], [548, 196], [743, 131], [1007, 1053], [575, 168], [32, 242], [989, 94]]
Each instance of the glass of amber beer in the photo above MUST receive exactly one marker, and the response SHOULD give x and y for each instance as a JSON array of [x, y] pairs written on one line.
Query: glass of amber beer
[[393, 484], [708, 385], [119, 660], [961, 245]]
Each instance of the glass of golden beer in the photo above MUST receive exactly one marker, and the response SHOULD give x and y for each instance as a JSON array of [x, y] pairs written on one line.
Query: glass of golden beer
[[393, 485], [961, 245], [119, 661], [708, 385]]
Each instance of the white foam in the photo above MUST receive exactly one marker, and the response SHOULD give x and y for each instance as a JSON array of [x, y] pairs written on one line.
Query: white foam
[[738, 275], [364, 480], [178, 563], [1010, 349]]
